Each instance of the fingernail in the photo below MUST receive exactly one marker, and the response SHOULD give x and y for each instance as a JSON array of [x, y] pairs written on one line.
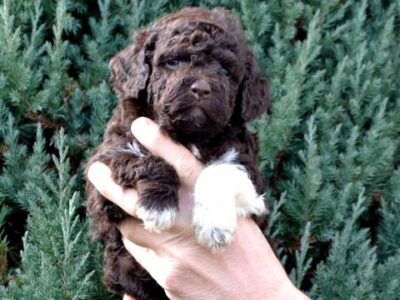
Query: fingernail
[[140, 125], [97, 171], [143, 128]]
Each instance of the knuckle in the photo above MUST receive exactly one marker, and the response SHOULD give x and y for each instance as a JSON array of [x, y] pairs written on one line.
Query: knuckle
[[172, 281], [186, 169], [189, 171], [156, 139], [104, 191]]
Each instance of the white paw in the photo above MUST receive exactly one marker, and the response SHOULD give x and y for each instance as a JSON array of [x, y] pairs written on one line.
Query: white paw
[[223, 191], [157, 220], [215, 238], [255, 206], [214, 227]]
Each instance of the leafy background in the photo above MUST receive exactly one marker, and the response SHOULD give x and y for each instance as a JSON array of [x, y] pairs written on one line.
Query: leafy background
[[329, 148]]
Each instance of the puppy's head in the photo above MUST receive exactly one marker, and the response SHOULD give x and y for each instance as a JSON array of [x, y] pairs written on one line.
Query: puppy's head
[[194, 71]]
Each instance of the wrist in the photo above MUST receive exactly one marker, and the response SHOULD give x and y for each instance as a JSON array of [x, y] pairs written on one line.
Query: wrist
[[264, 275]]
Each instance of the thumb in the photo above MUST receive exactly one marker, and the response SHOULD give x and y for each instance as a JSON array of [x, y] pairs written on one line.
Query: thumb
[[149, 134]]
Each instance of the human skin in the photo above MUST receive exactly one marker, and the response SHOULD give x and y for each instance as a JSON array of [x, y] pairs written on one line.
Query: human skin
[[245, 269]]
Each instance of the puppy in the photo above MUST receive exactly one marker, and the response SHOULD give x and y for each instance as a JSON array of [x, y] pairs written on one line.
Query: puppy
[[195, 75]]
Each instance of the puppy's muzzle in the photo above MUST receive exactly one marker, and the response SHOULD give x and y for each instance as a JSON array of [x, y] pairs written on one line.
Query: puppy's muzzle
[[200, 88]]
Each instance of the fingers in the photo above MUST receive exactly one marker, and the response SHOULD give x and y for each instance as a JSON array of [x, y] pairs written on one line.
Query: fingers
[[133, 230], [185, 163], [159, 267], [100, 176], [188, 168]]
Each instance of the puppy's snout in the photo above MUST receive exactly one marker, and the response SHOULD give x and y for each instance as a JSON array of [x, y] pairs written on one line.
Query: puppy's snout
[[200, 88]]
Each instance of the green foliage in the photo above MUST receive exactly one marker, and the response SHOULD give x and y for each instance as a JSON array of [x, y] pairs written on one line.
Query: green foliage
[[329, 147], [58, 266], [387, 277], [302, 263], [4, 211], [349, 270], [389, 227]]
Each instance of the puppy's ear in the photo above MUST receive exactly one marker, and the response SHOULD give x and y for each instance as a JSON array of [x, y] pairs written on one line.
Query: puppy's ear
[[254, 94], [130, 68]]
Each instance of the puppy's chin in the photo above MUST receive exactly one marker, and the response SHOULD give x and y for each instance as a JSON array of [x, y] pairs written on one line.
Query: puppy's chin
[[192, 119], [192, 125]]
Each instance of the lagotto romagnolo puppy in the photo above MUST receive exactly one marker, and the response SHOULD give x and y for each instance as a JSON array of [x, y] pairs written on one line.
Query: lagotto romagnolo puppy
[[195, 75]]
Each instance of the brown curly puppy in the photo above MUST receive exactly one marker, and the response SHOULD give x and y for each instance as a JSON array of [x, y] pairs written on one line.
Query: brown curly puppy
[[194, 74]]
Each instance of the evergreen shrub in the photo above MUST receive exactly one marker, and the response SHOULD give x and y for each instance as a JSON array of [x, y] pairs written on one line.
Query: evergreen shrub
[[330, 146]]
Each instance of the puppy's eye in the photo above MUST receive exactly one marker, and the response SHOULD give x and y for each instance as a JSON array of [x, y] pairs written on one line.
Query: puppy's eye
[[226, 72], [173, 63]]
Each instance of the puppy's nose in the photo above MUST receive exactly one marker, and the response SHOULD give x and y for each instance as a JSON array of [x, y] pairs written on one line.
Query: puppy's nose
[[200, 88]]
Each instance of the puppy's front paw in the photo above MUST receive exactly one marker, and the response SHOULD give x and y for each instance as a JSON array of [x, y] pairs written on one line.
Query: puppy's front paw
[[214, 226], [214, 238], [157, 220], [157, 187], [223, 191]]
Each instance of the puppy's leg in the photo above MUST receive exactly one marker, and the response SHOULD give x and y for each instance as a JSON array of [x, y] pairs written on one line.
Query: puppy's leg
[[157, 188], [156, 183], [223, 191], [131, 168]]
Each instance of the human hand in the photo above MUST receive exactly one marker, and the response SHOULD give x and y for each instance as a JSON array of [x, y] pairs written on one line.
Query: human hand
[[246, 269]]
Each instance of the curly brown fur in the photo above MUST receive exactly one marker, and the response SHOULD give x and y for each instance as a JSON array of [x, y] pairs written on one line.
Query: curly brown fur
[[195, 75]]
